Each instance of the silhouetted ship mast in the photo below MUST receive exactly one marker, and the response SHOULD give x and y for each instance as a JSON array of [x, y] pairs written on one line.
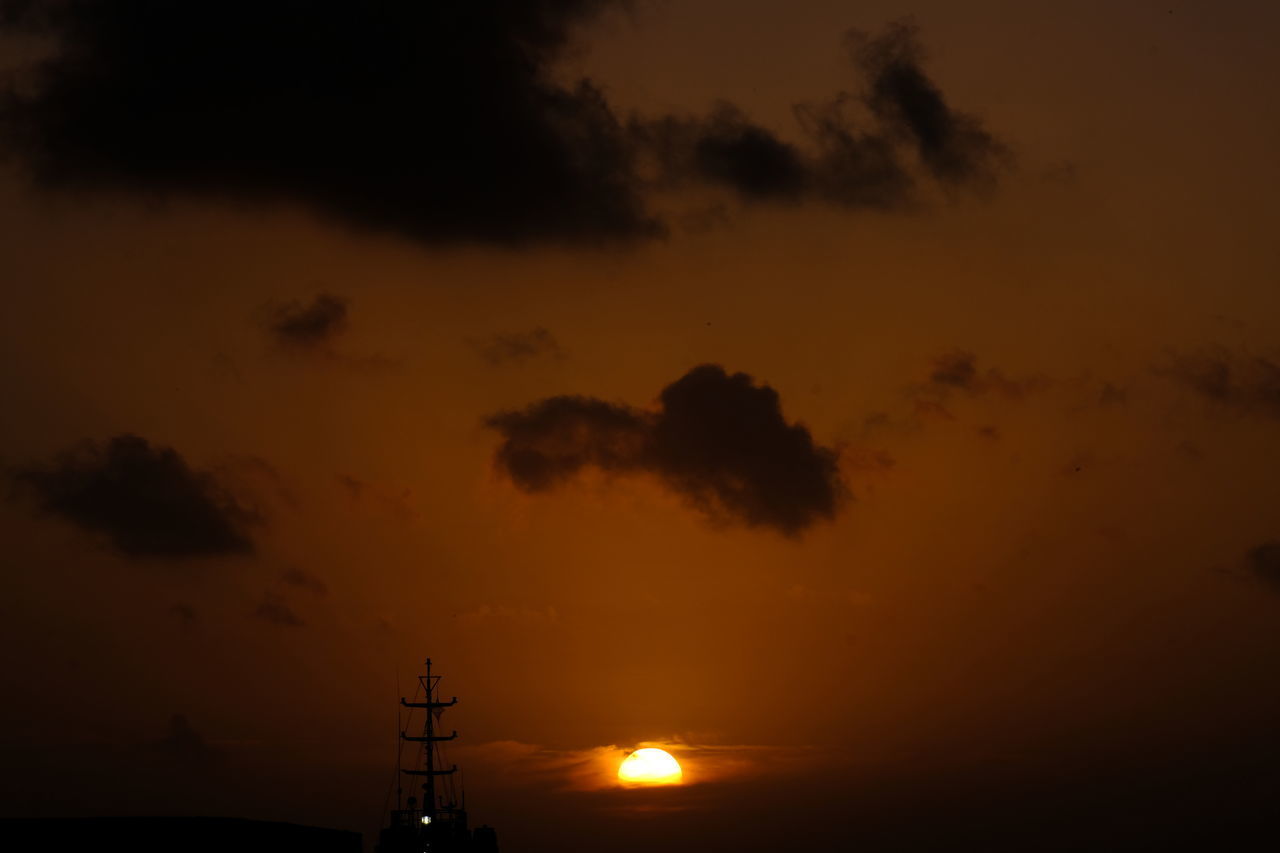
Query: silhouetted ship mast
[[437, 824]]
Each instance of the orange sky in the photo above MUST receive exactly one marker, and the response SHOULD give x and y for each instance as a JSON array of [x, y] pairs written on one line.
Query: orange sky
[[1056, 567]]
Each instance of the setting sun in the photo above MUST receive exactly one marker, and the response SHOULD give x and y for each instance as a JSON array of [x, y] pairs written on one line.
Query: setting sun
[[650, 766]]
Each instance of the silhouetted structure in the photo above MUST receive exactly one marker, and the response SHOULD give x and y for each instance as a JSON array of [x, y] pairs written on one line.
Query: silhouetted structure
[[169, 834], [439, 823]]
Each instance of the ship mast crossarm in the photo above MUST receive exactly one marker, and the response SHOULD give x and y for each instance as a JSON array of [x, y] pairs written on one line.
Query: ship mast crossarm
[[428, 738], [449, 704]]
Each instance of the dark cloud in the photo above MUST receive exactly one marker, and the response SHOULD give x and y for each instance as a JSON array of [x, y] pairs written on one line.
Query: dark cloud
[[1065, 173], [953, 146], [717, 439], [858, 146], [727, 148], [1189, 450], [440, 121], [256, 480], [436, 120], [276, 610], [723, 441], [958, 370], [146, 500], [867, 460], [732, 150], [930, 410], [313, 331], [1243, 382], [311, 325], [1078, 463], [552, 440], [518, 347], [351, 485], [396, 502], [1264, 560], [185, 613], [1112, 395], [304, 580]]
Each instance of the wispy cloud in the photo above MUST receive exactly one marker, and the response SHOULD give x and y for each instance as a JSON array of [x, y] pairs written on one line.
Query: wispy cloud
[[596, 768]]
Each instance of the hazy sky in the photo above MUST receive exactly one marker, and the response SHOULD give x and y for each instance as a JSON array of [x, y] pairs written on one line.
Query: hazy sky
[[886, 423]]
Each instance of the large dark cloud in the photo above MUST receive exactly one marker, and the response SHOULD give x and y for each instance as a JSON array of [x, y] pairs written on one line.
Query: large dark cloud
[[718, 439], [145, 500], [438, 120], [433, 119]]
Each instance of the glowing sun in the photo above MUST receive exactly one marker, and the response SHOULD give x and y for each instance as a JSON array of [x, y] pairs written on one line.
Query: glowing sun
[[650, 766]]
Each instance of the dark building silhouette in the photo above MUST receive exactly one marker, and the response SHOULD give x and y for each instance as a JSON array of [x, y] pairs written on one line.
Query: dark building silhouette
[[170, 834]]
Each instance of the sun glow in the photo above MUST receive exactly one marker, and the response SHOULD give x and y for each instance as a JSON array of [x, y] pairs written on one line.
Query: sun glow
[[650, 766]]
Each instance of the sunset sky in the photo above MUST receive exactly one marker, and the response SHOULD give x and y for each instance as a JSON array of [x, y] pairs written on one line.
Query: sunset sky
[[876, 405]]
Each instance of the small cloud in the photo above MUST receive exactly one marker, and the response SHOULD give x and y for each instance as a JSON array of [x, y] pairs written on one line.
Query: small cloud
[[596, 768], [185, 614], [302, 580], [392, 501], [352, 486], [145, 500], [955, 369], [518, 347], [227, 366], [1189, 450], [953, 146], [876, 421], [866, 460], [1078, 464], [313, 331], [1264, 560], [1112, 395], [859, 151], [275, 609], [1239, 381], [929, 410], [309, 326], [958, 370], [257, 478], [1063, 173]]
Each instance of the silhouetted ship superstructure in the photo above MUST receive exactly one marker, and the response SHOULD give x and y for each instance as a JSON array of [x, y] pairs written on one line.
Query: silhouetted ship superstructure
[[437, 823]]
